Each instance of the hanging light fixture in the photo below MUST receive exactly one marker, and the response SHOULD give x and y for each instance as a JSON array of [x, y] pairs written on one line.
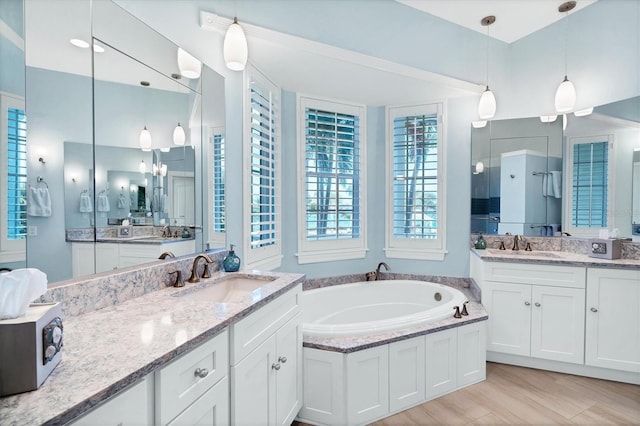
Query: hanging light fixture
[[487, 105], [179, 136], [142, 167], [566, 92], [235, 48], [189, 66], [145, 139]]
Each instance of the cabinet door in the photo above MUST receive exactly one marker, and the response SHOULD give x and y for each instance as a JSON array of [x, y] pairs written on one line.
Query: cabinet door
[[440, 357], [132, 407], [367, 385], [509, 324], [557, 323], [83, 256], [211, 409], [471, 354], [406, 373], [289, 376], [253, 386], [106, 257], [613, 319]]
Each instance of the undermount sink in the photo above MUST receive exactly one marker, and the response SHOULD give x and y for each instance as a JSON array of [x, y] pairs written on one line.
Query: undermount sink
[[524, 253], [232, 289]]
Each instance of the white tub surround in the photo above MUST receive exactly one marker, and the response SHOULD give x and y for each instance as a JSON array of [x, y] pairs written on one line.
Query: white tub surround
[[352, 380]]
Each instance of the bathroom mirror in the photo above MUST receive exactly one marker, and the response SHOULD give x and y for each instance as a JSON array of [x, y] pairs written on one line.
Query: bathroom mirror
[[513, 188], [635, 191], [62, 112]]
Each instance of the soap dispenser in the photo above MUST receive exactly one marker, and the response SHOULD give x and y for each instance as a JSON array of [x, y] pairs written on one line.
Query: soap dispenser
[[231, 263], [481, 244]]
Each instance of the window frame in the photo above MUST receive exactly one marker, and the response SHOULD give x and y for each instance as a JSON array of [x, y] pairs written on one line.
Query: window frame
[[269, 257], [216, 238], [316, 251], [414, 248], [10, 250], [568, 185]]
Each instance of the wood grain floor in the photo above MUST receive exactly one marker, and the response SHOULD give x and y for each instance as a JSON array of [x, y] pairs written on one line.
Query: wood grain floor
[[521, 396]]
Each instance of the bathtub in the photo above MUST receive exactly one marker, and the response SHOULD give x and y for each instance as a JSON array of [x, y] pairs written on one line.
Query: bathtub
[[372, 307]]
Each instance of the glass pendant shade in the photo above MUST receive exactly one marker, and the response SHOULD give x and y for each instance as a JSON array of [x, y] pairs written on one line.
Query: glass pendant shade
[[479, 167], [145, 139], [565, 96], [142, 167], [178, 136], [189, 66], [487, 105], [235, 48]]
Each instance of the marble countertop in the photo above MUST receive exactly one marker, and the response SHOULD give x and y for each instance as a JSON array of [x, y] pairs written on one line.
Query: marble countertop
[[109, 349], [553, 258]]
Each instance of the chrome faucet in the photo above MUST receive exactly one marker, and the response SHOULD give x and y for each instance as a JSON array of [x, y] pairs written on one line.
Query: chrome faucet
[[194, 278], [515, 242], [386, 267], [166, 254]]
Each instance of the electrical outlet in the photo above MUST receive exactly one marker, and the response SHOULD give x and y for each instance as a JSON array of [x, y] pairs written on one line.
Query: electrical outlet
[[32, 231]]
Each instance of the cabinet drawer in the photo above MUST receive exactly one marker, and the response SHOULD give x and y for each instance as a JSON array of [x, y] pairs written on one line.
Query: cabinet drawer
[[178, 386], [211, 409], [248, 333], [534, 273]]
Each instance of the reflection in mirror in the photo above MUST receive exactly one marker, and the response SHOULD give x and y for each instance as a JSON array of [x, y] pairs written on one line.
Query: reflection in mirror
[[516, 177], [635, 195]]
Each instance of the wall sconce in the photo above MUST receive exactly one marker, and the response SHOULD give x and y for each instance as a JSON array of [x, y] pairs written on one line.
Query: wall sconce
[[41, 159], [479, 168], [159, 169], [142, 167]]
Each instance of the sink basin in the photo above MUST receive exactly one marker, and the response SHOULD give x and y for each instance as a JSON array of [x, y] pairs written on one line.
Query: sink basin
[[523, 253], [232, 289]]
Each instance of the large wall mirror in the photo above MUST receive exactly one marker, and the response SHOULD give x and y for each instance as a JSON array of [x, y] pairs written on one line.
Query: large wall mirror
[[87, 104], [533, 178]]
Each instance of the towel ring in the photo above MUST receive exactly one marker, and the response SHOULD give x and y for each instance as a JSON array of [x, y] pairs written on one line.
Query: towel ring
[[40, 180], [84, 191]]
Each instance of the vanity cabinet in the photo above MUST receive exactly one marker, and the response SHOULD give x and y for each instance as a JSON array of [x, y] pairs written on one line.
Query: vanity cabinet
[[131, 407], [535, 310], [613, 319], [266, 365]]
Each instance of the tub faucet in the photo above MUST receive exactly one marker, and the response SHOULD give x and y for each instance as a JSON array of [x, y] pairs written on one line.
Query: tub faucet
[[386, 267], [194, 278]]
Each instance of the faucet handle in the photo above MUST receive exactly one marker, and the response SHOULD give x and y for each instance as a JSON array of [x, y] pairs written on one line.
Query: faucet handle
[[178, 282], [528, 248], [502, 246], [464, 308], [457, 312], [205, 272]]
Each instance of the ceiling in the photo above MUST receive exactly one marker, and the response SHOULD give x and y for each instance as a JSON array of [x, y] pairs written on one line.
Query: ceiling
[[514, 18]]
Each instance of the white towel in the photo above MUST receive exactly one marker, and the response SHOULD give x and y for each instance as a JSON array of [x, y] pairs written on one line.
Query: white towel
[[545, 185], [85, 204], [164, 203], [556, 183], [103, 203], [122, 202], [38, 202]]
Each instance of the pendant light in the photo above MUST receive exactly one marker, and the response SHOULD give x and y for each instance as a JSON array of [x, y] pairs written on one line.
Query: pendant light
[[566, 93], [142, 167], [145, 136], [487, 104], [189, 66], [235, 48], [179, 137]]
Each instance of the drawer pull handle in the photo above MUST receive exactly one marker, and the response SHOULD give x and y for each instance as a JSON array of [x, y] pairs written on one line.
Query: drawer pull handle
[[282, 359], [594, 310], [275, 366], [537, 304], [201, 372], [527, 304]]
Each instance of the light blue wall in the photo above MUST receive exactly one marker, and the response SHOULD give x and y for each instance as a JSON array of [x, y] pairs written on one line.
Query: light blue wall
[[12, 63]]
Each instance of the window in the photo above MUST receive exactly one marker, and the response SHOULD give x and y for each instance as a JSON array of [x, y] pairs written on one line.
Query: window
[[13, 181], [415, 163], [588, 163], [331, 182], [263, 154], [217, 218]]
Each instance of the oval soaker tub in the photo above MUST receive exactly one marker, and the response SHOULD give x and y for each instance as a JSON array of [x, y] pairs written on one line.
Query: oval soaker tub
[[373, 307]]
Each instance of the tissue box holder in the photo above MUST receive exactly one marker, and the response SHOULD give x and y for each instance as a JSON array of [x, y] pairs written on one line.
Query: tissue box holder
[[604, 248], [27, 353]]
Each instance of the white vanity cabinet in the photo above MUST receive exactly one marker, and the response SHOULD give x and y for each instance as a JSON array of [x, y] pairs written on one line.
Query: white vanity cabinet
[[613, 319], [266, 366], [194, 389], [535, 310], [131, 407]]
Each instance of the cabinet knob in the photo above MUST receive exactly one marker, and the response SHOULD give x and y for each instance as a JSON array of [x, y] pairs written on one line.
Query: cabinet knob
[[275, 366], [282, 359], [594, 310], [527, 304], [537, 304], [201, 372]]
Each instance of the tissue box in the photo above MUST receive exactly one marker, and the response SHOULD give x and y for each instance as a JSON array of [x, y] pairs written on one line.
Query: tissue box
[[30, 348], [604, 248]]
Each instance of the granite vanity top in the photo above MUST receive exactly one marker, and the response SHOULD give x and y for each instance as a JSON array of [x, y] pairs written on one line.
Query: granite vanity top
[[553, 258], [111, 348], [147, 239]]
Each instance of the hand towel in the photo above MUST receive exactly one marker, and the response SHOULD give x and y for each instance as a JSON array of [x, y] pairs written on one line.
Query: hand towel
[[556, 183], [545, 185], [164, 202], [38, 202], [103, 203], [85, 204], [122, 202]]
